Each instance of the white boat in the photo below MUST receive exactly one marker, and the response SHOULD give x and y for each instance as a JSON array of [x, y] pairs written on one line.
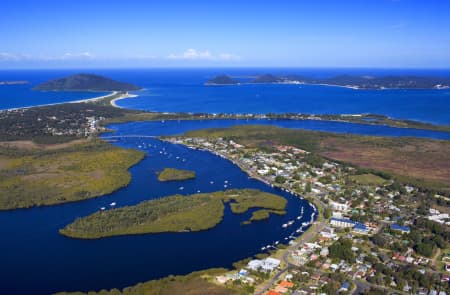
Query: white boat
[[305, 223], [291, 222], [212, 182], [181, 187], [112, 204], [277, 242], [285, 225], [103, 208], [198, 191], [263, 248], [225, 186]]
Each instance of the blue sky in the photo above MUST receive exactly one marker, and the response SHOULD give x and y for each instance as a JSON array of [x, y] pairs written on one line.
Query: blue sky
[[214, 33]]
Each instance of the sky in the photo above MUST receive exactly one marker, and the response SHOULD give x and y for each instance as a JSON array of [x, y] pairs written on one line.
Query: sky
[[216, 33]]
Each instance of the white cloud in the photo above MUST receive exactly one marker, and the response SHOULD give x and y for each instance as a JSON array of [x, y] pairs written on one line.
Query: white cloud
[[82, 55], [6, 56], [193, 54]]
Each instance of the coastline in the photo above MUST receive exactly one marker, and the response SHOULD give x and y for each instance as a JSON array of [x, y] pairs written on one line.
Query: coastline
[[86, 100], [126, 95]]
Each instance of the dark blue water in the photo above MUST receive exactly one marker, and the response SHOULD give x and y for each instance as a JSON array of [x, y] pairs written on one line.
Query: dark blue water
[[35, 259], [15, 96], [171, 90], [175, 127]]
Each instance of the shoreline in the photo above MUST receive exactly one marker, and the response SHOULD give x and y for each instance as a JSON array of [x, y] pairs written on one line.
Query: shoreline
[[58, 103], [85, 100], [126, 95]]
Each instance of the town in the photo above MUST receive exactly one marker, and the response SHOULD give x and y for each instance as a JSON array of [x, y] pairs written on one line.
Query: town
[[373, 234]]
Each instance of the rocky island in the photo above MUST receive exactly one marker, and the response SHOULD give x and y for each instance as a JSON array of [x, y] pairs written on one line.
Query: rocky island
[[85, 82], [222, 80]]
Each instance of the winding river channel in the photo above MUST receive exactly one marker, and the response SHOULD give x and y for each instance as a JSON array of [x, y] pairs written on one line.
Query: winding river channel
[[35, 259]]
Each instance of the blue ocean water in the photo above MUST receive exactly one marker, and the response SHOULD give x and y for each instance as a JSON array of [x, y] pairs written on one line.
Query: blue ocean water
[[16, 96], [183, 90]]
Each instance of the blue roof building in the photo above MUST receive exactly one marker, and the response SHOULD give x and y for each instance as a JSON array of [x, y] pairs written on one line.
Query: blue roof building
[[403, 229]]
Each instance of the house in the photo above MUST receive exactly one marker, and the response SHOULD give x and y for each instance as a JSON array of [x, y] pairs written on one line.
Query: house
[[284, 285], [344, 287], [402, 229], [339, 206], [266, 265], [272, 292], [269, 264], [361, 228], [348, 223], [342, 222]]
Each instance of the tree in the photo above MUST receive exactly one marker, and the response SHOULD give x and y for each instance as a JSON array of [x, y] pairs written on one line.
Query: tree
[[308, 187], [280, 179]]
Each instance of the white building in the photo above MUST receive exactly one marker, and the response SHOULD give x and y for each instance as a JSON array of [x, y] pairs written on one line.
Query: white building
[[266, 265]]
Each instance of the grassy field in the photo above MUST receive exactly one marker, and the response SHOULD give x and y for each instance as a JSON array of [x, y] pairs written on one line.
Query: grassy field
[[170, 174], [367, 179], [36, 176], [170, 214], [422, 162], [196, 283]]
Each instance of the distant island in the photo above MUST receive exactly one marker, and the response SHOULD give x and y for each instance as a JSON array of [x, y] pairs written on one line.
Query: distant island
[[85, 82], [222, 80], [172, 214], [349, 81], [19, 82], [171, 174]]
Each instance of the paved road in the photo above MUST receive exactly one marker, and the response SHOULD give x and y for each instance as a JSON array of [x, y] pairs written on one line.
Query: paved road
[[306, 237]]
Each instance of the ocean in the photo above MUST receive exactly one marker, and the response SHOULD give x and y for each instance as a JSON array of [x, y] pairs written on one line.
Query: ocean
[[183, 90]]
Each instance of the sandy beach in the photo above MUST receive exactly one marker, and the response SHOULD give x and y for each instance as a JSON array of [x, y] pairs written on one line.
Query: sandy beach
[[126, 95], [113, 102]]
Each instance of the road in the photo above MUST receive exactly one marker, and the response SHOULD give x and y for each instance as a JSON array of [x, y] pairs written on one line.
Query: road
[[306, 237]]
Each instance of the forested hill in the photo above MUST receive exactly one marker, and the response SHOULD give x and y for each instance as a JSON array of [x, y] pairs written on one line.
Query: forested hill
[[85, 82]]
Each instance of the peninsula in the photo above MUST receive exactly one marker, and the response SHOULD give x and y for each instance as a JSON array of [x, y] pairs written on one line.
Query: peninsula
[[348, 81], [171, 214], [85, 82], [172, 174]]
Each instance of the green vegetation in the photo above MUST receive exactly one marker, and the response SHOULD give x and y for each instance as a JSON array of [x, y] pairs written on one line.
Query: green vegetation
[[36, 177], [420, 162], [362, 82], [242, 200], [85, 82], [169, 174], [264, 214], [342, 250], [196, 283], [367, 179], [171, 214]]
